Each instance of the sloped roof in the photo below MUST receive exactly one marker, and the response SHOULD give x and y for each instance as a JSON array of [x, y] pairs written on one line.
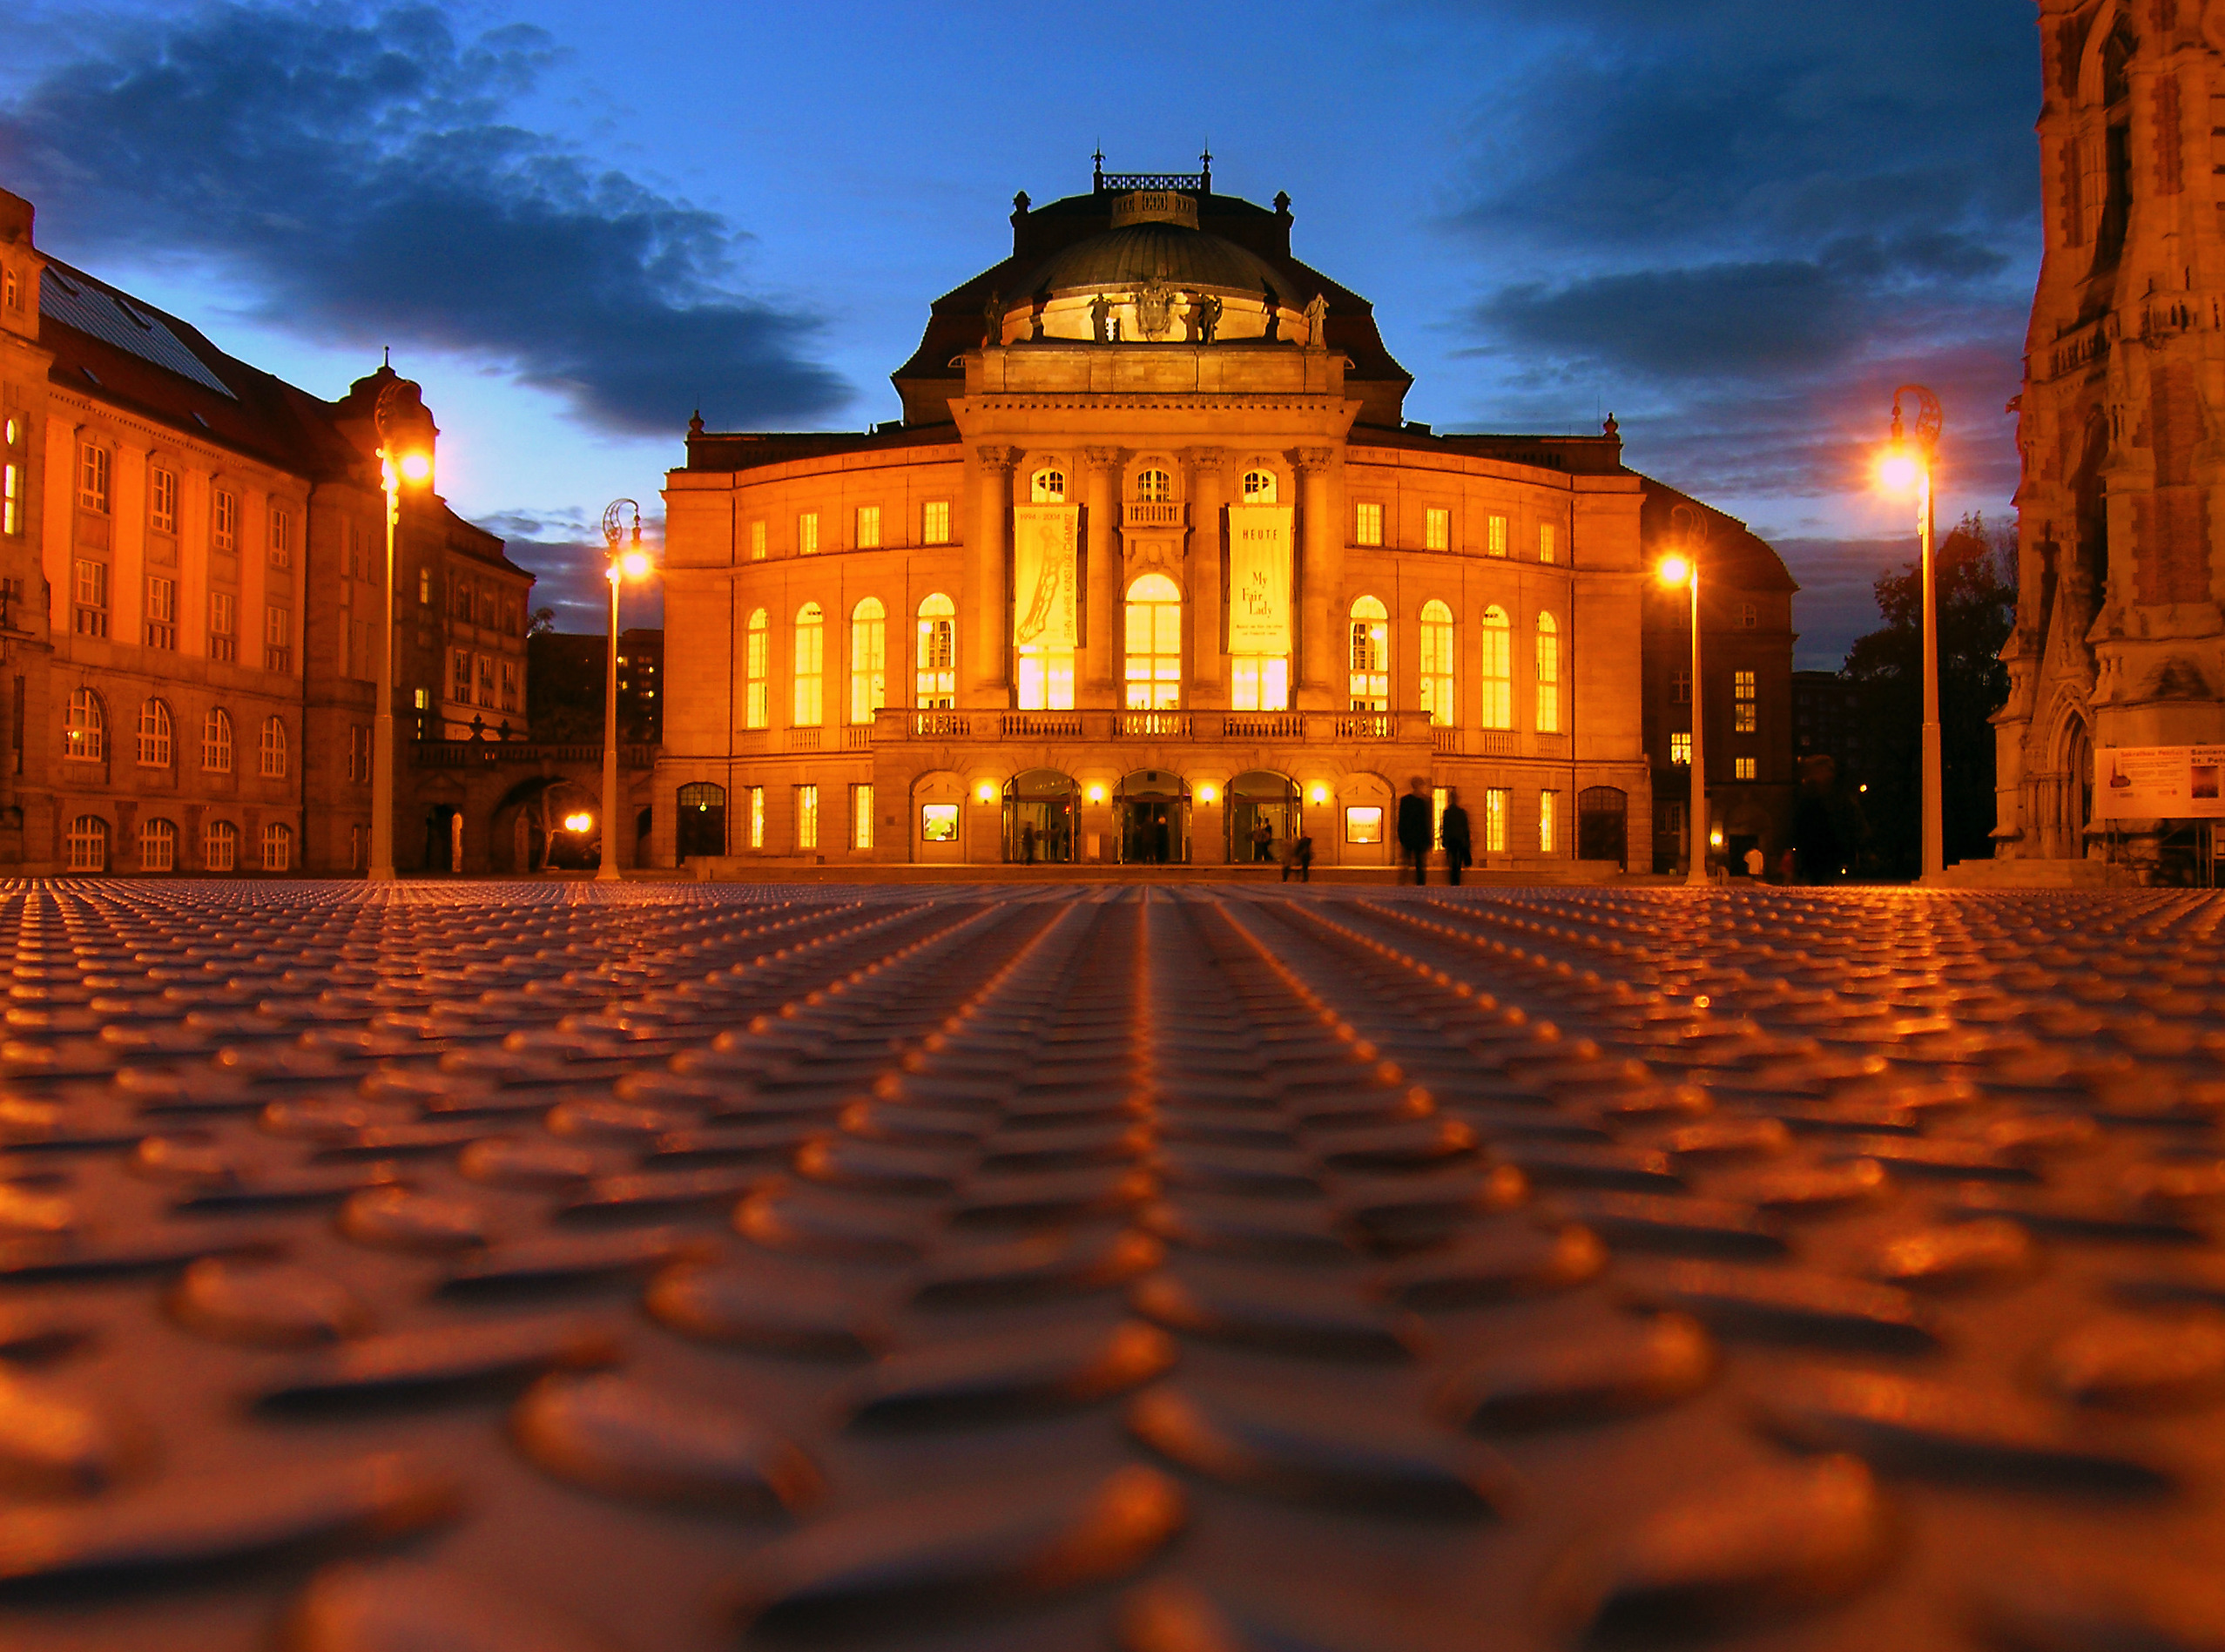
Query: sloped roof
[[1733, 555]]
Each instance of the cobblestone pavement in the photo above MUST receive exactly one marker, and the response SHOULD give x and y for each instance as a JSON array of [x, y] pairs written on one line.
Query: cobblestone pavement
[[504, 1268]]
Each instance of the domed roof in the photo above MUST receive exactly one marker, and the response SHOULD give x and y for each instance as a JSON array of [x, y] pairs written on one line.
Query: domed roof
[[1131, 256]]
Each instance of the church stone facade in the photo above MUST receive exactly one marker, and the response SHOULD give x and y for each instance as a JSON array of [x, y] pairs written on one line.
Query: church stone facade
[[2119, 640]]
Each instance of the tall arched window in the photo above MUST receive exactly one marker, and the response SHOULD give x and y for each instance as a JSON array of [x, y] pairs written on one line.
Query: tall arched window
[[1370, 656], [220, 845], [273, 749], [937, 686], [811, 666], [87, 733], [86, 844], [757, 713], [1258, 486], [1153, 644], [1548, 675], [278, 846], [1154, 487], [155, 741], [1498, 669], [216, 741], [157, 846], [869, 659], [1047, 487], [1436, 663]]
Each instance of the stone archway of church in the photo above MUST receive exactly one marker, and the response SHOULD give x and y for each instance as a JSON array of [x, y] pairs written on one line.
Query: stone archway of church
[[1041, 812], [1152, 816], [2073, 810], [1261, 798]]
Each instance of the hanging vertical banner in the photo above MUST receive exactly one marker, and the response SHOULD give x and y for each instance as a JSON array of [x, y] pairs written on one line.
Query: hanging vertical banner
[[1259, 579], [1045, 565]]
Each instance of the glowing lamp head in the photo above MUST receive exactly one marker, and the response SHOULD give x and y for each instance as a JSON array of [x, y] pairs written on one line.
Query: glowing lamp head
[[415, 467], [1899, 471], [579, 823], [1206, 793], [635, 564], [986, 792], [1320, 794], [1096, 794], [1674, 571]]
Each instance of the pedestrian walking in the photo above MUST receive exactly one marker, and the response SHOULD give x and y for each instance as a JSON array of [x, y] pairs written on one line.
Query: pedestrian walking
[[1415, 828], [1452, 833], [1262, 842], [1302, 852], [1027, 845]]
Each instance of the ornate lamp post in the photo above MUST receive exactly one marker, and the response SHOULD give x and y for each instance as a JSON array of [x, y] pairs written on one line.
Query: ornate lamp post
[[1909, 465], [632, 562], [398, 461], [1676, 570]]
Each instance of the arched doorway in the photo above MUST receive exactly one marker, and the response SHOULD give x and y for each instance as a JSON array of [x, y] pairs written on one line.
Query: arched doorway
[[1603, 824], [1261, 798], [701, 820], [1151, 809], [2075, 805], [1039, 818]]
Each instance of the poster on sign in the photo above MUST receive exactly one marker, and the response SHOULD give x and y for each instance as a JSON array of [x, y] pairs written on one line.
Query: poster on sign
[[1259, 579], [2159, 783], [1043, 571]]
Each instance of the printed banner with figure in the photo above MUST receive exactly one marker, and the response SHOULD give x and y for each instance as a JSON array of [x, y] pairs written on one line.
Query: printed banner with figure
[[1044, 567], [2158, 783], [1259, 579]]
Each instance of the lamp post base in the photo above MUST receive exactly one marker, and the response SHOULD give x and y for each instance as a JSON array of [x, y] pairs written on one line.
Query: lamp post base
[[608, 875], [381, 875]]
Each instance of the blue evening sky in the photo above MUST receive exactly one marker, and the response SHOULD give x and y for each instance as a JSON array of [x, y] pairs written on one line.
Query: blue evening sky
[[1737, 224]]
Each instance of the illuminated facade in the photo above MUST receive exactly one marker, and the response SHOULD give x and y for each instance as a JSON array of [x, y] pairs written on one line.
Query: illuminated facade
[[1151, 562]]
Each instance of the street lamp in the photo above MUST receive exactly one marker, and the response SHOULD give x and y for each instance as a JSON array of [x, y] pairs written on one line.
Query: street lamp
[[632, 562], [1908, 465], [1680, 568], [399, 460]]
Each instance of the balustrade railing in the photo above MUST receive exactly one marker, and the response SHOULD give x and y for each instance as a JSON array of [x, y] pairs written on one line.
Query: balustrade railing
[[1367, 726], [1263, 725], [1151, 514], [1157, 725], [467, 754], [803, 739], [1053, 726], [858, 739]]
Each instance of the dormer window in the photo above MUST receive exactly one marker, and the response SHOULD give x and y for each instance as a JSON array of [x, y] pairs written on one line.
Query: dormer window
[[1047, 488], [1259, 487], [1154, 487], [10, 294]]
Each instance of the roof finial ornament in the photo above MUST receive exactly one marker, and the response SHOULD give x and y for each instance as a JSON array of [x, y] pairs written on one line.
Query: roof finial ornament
[[1097, 172], [1205, 179], [386, 355], [1611, 427], [695, 423]]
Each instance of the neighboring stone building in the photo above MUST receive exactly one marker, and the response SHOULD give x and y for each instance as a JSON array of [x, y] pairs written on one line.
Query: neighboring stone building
[[1825, 723], [2118, 639], [189, 557], [641, 684], [1746, 640], [1152, 559]]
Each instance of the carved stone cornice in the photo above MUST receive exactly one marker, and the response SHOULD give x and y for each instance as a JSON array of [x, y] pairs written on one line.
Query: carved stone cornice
[[1313, 458], [997, 456], [1102, 458]]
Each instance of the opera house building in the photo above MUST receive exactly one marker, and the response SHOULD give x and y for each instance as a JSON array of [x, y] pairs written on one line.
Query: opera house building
[[1152, 569]]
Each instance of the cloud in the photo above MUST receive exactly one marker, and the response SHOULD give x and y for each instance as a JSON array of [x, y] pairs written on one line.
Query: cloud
[[565, 552], [356, 167]]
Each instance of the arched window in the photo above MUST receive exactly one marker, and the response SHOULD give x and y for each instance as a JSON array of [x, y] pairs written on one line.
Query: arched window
[[86, 844], [157, 846], [869, 659], [810, 665], [278, 846], [1258, 486], [757, 714], [155, 741], [937, 687], [220, 845], [1370, 656], [1436, 663], [1154, 644], [1498, 669], [273, 767], [1047, 488], [87, 733], [216, 741], [1548, 675], [1153, 487]]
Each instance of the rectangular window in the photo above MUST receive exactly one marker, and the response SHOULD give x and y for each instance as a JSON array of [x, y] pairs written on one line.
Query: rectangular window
[[1494, 819], [810, 661], [1495, 537], [162, 612], [1259, 682], [1437, 529], [486, 679], [1547, 545], [92, 477], [278, 638], [460, 675], [938, 823], [224, 626], [1684, 688], [281, 538], [1438, 797], [1548, 676], [1046, 679], [509, 685], [868, 527], [1745, 717], [424, 587], [1548, 821], [1680, 750], [757, 541], [162, 500], [223, 521], [757, 816], [861, 817], [91, 592], [756, 712], [1437, 664], [11, 497], [807, 817], [807, 534], [1367, 524], [1745, 768], [1363, 824], [935, 522]]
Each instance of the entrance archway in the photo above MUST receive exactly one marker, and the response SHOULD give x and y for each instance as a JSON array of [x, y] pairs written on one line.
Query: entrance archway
[[1603, 824], [1038, 812], [1261, 798], [701, 820], [2074, 807], [1151, 810]]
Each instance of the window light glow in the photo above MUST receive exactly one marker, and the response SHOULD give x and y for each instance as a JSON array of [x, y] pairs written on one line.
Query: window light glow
[[579, 823]]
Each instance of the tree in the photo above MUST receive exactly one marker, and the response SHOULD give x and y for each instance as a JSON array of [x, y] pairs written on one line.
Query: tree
[[1976, 570]]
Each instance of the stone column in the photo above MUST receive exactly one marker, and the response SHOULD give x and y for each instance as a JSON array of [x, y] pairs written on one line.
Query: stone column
[[1321, 582], [988, 625], [1208, 479], [1100, 646]]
